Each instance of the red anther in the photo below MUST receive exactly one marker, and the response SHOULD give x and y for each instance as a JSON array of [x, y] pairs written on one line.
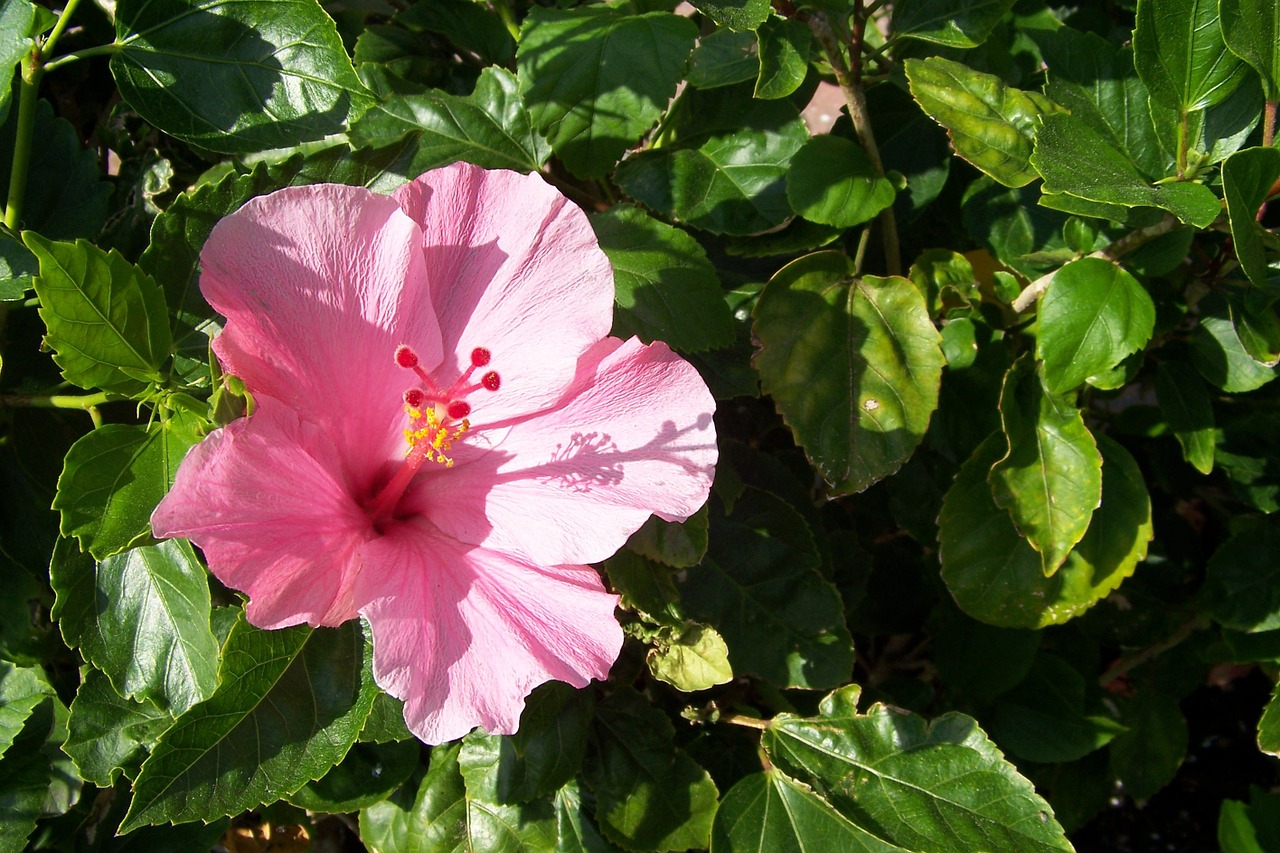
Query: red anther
[[491, 381], [459, 410], [406, 357], [480, 356], [414, 398]]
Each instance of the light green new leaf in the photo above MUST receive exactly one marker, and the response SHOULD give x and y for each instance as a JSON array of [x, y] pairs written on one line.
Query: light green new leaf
[[107, 320], [1218, 349], [852, 364], [737, 15], [954, 23], [922, 786], [490, 127], [784, 45], [1252, 32], [289, 704], [142, 617], [1183, 399], [991, 124], [236, 75], [595, 79], [1077, 160], [832, 182], [1247, 178], [112, 479], [690, 658], [997, 577], [1050, 481], [1093, 315], [771, 811], [666, 289], [1179, 53]]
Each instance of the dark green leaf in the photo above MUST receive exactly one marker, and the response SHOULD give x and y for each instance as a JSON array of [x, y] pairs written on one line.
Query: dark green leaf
[[21, 690], [1048, 718], [981, 661], [996, 576], [468, 25], [1235, 832], [1189, 411], [760, 588], [954, 23], [771, 811], [114, 477], [832, 182], [853, 365], [1269, 726], [923, 786], [289, 705], [236, 75], [1093, 315], [1077, 160], [490, 127], [367, 775], [385, 723], [736, 14], [18, 268], [36, 779], [649, 794], [595, 79], [666, 288], [1050, 480], [16, 17], [911, 144], [724, 58], [784, 56], [1145, 758], [677, 544], [107, 320], [1218, 351], [577, 832], [1012, 227], [109, 733], [645, 585], [1252, 32], [1241, 579], [1179, 53], [1247, 178], [991, 124]]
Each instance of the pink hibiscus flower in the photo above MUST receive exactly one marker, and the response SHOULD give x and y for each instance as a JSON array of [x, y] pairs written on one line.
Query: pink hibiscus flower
[[444, 435]]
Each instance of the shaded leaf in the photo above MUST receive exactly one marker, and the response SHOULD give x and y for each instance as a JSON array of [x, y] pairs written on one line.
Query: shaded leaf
[[16, 18], [1146, 757], [832, 182], [1189, 411], [784, 45], [954, 23], [723, 58], [678, 544], [367, 775], [1179, 53], [1247, 178], [22, 689], [1252, 32], [1218, 351], [1241, 579]]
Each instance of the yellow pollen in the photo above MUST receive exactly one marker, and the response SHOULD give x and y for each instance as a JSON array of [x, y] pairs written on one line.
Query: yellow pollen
[[434, 436]]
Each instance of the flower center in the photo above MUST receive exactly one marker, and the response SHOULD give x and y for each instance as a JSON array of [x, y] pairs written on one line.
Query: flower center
[[437, 418]]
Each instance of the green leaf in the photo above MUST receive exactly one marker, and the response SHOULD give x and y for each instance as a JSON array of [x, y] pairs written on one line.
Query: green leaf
[[1010, 224], [996, 576], [1252, 32], [853, 365], [21, 690], [109, 733], [595, 79], [736, 14], [771, 811], [18, 268], [1189, 411], [16, 18], [236, 75], [544, 753], [1235, 831], [991, 124], [690, 658], [923, 786], [36, 779], [107, 320], [980, 661], [142, 617], [1146, 757], [649, 794], [289, 704], [724, 58], [113, 478], [468, 25], [65, 195], [1049, 718], [1247, 178], [1269, 726], [1240, 579], [832, 182], [367, 775], [577, 832], [386, 721], [784, 56], [644, 584], [911, 144], [677, 544], [1050, 480], [490, 127], [1093, 315], [954, 23], [760, 588], [1219, 352], [1179, 54], [728, 175], [666, 288], [1077, 160]]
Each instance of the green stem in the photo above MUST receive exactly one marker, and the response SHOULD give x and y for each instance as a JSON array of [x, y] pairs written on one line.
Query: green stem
[[1130, 662], [56, 401], [22, 140], [64, 19], [76, 56], [1182, 143], [503, 8], [743, 720]]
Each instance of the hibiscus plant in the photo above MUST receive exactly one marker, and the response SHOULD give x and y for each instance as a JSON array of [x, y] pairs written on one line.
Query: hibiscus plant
[[561, 425]]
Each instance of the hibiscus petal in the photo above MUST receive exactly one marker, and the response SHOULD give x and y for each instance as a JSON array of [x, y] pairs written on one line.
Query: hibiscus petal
[[515, 269], [463, 634], [569, 485], [319, 286], [265, 499]]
